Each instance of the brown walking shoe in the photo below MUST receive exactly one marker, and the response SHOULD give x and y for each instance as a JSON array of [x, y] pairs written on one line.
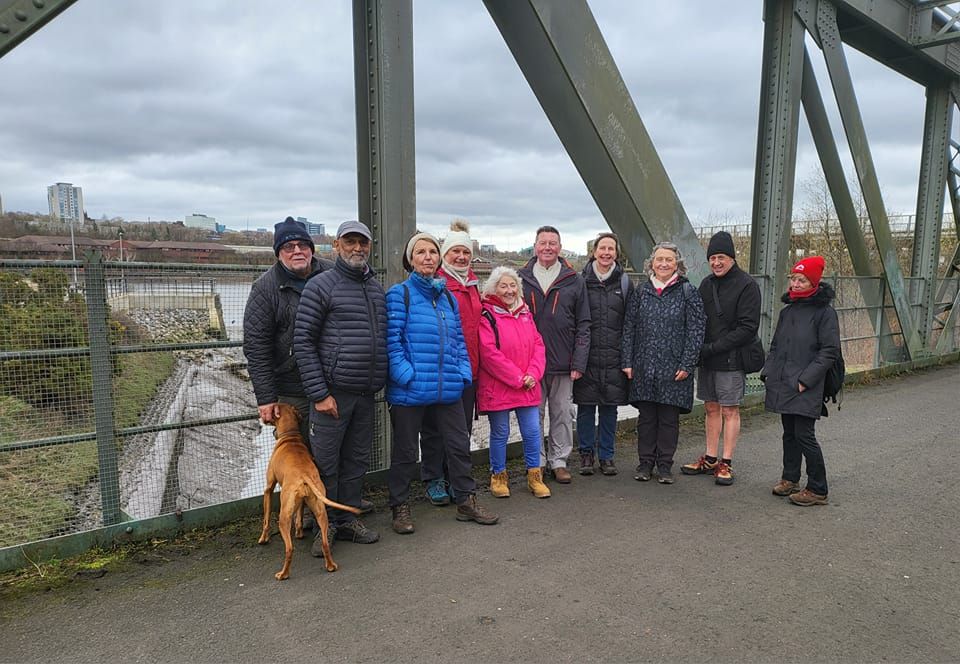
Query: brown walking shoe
[[699, 467], [562, 475], [723, 473], [608, 467], [472, 511], [586, 463], [806, 498], [402, 519], [785, 488]]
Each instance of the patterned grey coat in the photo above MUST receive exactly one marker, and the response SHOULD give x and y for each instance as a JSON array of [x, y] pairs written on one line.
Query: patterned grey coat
[[661, 335]]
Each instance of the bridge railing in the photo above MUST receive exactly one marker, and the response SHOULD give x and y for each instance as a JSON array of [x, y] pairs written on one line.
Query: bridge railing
[[125, 405]]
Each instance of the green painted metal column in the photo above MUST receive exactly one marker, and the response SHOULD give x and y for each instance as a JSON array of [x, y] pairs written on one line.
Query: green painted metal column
[[934, 166], [562, 54], [780, 87], [829, 34], [383, 84], [101, 369], [21, 18]]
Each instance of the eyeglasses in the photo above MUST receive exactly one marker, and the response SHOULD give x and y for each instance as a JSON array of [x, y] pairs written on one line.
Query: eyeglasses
[[290, 247]]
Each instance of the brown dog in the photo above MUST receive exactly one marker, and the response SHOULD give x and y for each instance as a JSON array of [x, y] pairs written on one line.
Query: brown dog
[[292, 467]]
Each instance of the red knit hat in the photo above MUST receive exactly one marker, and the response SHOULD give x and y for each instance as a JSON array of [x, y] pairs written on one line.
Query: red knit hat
[[811, 268]]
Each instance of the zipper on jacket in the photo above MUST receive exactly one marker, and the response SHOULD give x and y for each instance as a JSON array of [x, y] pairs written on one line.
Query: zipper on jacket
[[373, 337], [556, 298], [442, 320]]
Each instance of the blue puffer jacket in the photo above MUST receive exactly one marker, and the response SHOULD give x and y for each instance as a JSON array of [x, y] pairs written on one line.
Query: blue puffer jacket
[[428, 358]]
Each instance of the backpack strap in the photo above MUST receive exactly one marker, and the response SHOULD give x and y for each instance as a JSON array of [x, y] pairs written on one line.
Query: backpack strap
[[493, 323], [624, 285], [406, 298]]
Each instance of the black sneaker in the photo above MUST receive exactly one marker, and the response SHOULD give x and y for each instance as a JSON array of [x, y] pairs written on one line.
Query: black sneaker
[[607, 467], [664, 476], [586, 463], [643, 473], [355, 531]]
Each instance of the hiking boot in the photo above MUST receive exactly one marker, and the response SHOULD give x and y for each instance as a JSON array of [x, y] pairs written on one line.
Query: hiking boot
[[699, 467], [535, 483], [402, 520], [499, 485], [316, 549], [365, 506], [472, 511], [607, 467], [724, 474], [806, 498], [562, 475], [664, 476], [437, 492], [309, 521], [785, 488], [355, 531], [642, 473], [586, 463]]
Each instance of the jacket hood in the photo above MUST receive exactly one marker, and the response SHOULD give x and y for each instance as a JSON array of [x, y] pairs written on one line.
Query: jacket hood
[[824, 296], [500, 307]]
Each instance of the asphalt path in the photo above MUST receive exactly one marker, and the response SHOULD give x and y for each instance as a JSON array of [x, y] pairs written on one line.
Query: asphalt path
[[608, 569]]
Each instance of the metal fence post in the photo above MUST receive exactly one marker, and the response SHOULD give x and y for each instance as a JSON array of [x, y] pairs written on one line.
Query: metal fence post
[[101, 369]]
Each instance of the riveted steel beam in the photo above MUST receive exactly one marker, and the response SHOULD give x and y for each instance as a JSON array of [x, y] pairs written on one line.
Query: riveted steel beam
[[563, 56], [934, 166], [890, 31], [866, 172], [819, 124], [780, 87], [21, 18], [939, 28], [383, 85]]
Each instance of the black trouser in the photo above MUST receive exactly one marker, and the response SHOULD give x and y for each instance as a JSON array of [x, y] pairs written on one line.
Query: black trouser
[[800, 439], [341, 449], [407, 423], [658, 430], [433, 460], [303, 406]]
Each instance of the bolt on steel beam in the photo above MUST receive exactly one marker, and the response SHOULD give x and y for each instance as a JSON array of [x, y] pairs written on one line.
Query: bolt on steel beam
[[19, 19]]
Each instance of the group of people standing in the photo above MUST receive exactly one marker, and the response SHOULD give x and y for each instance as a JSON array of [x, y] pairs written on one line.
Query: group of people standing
[[539, 341]]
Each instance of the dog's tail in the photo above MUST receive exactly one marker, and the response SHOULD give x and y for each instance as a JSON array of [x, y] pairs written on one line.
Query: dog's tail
[[321, 496]]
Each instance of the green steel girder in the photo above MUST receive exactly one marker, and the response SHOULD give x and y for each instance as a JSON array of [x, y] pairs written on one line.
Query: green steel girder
[[936, 29], [780, 88], [21, 18], [819, 124], [890, 31], [383, 85], [566, 62], [846, 98], [934, 167]]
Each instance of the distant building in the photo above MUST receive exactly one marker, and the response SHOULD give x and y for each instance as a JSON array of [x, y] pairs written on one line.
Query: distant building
[[65, 202], [200, 221], [489, 249], [313, 229]]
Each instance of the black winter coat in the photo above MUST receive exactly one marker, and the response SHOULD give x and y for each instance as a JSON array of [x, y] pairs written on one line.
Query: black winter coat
[[661, 335], [604, 383], [341, 333], [268, 320], [562, 315], [739, 297], [804, 347]]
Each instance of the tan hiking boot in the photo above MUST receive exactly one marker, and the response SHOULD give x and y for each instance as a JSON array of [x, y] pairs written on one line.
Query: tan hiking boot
[[535, 483], [499, 485], [785, 488], [472, 511], [806, 498]]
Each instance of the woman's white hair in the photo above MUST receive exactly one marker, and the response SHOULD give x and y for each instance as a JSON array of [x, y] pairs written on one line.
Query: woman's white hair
[[681, 264], [498, 273]]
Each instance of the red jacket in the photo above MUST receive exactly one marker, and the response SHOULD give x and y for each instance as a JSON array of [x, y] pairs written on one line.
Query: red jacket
[[468, 298], [521, 352]]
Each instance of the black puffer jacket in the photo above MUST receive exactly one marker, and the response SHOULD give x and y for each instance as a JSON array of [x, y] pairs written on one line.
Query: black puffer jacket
[[739, 297], [562, 315], [341, 333], [268, 320], [804, 347], [604, 383]]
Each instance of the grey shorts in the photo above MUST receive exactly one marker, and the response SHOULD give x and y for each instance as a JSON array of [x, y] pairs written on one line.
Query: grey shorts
[[723, 387]]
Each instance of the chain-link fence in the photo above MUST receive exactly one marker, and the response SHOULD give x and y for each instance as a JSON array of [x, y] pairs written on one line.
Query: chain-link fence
[[124, 392]]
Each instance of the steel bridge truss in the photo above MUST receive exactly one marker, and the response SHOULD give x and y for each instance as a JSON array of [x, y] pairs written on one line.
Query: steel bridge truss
[[562, 54]]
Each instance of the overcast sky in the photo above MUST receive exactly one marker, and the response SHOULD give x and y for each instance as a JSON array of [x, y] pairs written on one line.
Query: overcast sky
[[243, 111]]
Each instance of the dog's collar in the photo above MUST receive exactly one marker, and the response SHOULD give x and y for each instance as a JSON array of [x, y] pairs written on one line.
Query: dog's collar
[[287, 435]]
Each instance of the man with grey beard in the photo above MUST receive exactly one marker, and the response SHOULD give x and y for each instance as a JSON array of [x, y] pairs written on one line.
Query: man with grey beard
[[340, 341]]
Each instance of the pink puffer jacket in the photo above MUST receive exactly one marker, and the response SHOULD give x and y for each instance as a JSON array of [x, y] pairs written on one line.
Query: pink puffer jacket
[[521, 353]]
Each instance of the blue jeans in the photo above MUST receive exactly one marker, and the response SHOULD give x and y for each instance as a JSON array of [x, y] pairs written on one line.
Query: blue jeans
[[528, 418], [586, 416]]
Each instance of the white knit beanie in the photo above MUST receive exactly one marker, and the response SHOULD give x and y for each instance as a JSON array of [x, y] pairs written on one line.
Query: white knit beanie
[[459, 236]]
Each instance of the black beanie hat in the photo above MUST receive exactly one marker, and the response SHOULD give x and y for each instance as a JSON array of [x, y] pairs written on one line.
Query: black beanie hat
[[721, 243], [287, 230]]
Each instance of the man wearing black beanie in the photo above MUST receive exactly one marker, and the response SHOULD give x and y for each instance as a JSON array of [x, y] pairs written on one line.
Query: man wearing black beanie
[[731, 300]]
